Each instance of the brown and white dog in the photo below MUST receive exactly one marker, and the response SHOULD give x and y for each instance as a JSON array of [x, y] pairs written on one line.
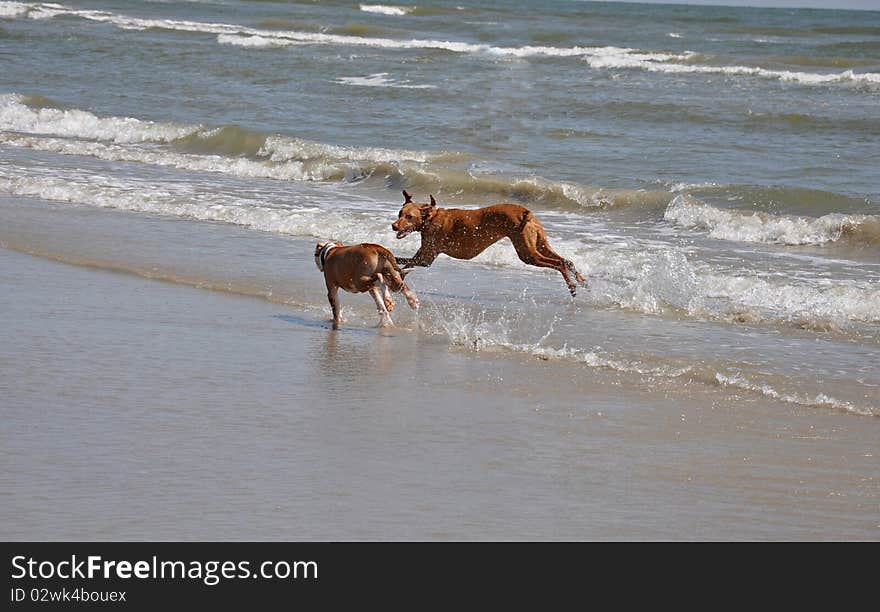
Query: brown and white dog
[[464, 234], [360, 268]]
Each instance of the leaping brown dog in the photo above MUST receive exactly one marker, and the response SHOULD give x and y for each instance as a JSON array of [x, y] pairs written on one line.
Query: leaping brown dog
[[464, 234], [360, 268]]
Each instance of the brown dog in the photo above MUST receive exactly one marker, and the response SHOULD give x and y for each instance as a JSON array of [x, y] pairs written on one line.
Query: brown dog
[[464, 234], [360, 268]]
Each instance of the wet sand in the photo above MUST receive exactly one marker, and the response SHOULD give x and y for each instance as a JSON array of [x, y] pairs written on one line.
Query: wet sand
[[140, 409]]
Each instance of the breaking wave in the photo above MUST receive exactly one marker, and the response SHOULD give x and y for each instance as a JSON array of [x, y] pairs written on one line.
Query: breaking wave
[[38, 123], [479, 330], [800, 399], [229, 149], [387, 10], [745, 226], [380, 79]]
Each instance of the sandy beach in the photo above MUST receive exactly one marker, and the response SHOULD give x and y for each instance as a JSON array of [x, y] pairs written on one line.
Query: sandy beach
[[145, 409]]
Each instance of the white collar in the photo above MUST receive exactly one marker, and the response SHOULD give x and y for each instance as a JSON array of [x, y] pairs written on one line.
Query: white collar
[[322, 256]]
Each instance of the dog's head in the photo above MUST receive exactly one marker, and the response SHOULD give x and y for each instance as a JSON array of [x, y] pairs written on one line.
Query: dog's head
[[321, 250], [413, 216]]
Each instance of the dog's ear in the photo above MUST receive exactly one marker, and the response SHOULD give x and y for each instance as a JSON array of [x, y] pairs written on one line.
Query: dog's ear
[[433, 201], [407, 198]]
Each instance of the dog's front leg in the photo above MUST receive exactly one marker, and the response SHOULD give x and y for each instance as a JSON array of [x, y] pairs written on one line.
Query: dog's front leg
[[333, 296], [423, 258]]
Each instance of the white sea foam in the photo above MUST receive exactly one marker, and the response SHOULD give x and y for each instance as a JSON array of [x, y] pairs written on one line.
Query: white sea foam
[[803, 304], [386, 10], [185, 201], [233, 166], [745, 226], [478, 331], [10, 10], [256, 41], [380, 79], [15, 115], [818, 400], [615, 58], [281, 148]]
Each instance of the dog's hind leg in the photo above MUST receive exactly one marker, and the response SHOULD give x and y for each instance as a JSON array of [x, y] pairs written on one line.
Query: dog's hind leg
[[389, 301], [395, 281], [386, 293], [384, 317], [526, 248], [544, 248]]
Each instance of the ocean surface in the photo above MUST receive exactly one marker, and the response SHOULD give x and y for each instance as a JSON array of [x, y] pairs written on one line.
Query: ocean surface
[[714, 172]]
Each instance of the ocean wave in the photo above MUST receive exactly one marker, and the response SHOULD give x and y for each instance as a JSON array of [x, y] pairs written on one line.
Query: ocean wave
[[777, 199], [42, 124], [869, 30], [606, 57], [239, 167], [564, 195], [664, 280], [43, 118], [387, 10], [9, 10], [817, 61], [380, 79], [229, 149], [255, 38], [479, 330], [183, 201], [800, 399], [256, 41], [615, 58], [801, 121], [246, 153], [283, 23], [746, 226], [359, 29]]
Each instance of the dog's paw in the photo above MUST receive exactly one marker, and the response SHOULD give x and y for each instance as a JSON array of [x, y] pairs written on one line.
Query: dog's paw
[[386, 322], [389, 303], [414, 302]]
